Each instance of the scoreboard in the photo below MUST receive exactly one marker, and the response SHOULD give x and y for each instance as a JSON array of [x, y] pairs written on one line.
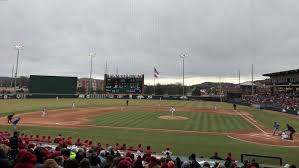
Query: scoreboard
[[39, 84], [124, 84]]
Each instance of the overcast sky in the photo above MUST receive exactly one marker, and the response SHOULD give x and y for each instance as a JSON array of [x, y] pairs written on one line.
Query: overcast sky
[[220, 37]]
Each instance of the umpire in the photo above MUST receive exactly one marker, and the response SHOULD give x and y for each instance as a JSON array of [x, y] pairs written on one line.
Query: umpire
[[291, 130]]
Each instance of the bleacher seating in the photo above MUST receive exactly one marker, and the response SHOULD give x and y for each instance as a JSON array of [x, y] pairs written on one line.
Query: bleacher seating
[[35, 152]]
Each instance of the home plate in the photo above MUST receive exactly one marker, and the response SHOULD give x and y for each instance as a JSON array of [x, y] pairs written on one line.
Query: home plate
[[57, 123]]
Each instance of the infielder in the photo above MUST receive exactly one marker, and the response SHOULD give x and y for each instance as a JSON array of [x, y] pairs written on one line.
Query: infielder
[[9, 118], [172, 110], [73, 105], [44, 112]]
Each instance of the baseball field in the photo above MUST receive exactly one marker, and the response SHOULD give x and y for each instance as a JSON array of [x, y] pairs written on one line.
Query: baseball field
[[196, 127]]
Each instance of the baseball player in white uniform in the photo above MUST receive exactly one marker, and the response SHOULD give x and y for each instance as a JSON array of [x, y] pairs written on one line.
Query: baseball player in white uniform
[[172, 110], [44, 112], [73, 105]]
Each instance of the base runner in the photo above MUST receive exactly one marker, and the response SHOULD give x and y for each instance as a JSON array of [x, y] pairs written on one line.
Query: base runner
[[15, 122]]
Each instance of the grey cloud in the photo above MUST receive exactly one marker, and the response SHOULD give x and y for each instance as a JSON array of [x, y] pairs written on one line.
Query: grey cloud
[[220, 37]]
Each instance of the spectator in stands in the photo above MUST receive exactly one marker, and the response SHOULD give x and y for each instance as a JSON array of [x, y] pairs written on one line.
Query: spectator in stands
[[220, 165], [193, 161], [59, 161], [102, 158], [152, 163], [124, 147], [139, 148], [171, 164], [116, 147], [254, 163], [50, 163], [49, 139], [148, 151], [229, 157], [85, 163], [167, 150], [69, 141], [26, 160], [78, 142], [163, 163], [95, 161], [186, 164], [206, 165], [109, 161], [37, 138], [4, 162], [138, 163], [292, 166], [178, 162], [14, 144], [57, 139], [44, 139], [31, 138], [216, 157], [71, 164], [131, 149]]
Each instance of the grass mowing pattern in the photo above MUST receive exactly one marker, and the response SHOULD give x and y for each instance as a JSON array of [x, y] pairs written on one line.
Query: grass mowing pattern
[[198, 121]]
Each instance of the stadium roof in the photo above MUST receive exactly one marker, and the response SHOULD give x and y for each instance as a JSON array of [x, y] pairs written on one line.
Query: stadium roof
[[247, 83], [282, 73]]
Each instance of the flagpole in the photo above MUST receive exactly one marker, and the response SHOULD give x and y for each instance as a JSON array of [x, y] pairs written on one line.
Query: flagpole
[[154, 84]]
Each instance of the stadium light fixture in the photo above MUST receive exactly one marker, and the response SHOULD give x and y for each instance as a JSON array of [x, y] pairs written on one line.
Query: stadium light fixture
[[18, 47], [91, 55], [183, 56]]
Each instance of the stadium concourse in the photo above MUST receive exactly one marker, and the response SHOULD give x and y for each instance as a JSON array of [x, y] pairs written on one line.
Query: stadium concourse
[[29, 151]]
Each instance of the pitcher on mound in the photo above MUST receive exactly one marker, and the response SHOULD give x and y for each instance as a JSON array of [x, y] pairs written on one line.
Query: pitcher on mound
[[172, 110]]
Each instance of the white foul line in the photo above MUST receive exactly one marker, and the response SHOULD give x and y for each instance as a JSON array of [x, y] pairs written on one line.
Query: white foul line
[[243, 116]]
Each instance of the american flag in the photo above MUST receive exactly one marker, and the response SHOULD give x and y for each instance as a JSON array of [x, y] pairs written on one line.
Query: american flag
[[156, 73]]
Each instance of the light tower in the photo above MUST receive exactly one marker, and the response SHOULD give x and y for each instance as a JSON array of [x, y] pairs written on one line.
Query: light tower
[[91, 55], [18, 47], [183, 56]]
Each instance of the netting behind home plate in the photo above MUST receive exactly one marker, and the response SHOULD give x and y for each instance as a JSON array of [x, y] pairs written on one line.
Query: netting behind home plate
[[265, 160]]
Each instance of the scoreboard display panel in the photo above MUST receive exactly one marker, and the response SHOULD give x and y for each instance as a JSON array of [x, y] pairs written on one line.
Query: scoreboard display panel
[[52, 84], [124, 84]]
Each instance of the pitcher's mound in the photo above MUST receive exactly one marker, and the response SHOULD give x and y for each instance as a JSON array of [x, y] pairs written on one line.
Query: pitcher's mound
[[167, 117]]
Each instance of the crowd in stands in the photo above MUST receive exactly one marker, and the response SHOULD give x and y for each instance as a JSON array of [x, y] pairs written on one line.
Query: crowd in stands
[[23, 151], [283, 100]]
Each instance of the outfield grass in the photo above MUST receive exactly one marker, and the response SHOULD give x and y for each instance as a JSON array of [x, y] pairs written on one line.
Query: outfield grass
[[182, 144], [198, 121], [29, 105]]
